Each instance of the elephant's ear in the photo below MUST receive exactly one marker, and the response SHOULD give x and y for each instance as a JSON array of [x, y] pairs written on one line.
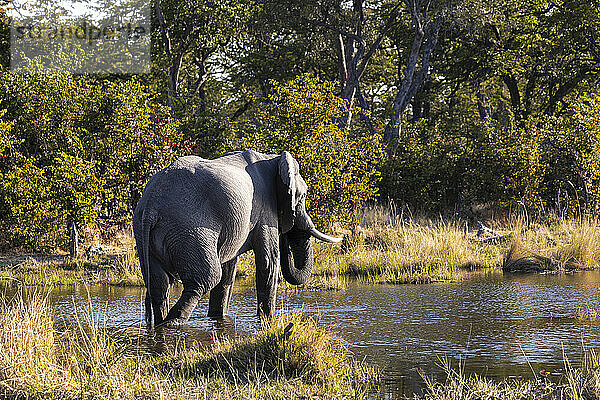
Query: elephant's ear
[[286, 191]]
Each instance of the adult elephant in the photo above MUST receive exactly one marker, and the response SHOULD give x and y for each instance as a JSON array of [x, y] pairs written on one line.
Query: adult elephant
[[197, 216]]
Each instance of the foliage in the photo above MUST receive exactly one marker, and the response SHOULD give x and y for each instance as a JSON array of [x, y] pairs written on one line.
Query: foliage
[[338, 167], [506, 113], [448, 163], [571, 149], [76, 150], [40, 201]]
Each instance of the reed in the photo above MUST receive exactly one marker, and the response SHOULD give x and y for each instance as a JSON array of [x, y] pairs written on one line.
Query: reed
[[588, 313], [581, 383], [562, 245]]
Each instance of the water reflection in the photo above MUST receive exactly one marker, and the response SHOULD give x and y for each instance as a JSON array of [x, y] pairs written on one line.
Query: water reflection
[[495, 325]]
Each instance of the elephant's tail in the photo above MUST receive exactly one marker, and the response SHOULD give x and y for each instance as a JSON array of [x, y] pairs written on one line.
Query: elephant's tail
[[148, 219]]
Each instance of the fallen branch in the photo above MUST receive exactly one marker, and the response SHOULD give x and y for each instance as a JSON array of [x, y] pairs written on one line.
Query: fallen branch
[[491, 238], [482, 230]]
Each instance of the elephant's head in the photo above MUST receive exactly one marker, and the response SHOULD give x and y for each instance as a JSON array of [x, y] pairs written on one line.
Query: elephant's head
[[295, 225]]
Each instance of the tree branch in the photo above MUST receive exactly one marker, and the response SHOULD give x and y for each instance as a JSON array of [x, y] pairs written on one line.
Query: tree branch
[[163, 28], [375, 45], [564, 90]]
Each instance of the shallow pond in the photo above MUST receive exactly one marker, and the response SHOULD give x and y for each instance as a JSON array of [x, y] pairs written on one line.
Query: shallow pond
[[496, 325]]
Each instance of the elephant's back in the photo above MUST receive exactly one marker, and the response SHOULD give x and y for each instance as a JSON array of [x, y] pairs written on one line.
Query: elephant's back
[[192, 196], [195, 189]]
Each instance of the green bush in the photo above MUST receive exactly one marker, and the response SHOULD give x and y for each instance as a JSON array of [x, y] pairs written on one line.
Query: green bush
[[570, 148], [40, 202], [448, 163], [76, 149], [468, 160], [339, 167]]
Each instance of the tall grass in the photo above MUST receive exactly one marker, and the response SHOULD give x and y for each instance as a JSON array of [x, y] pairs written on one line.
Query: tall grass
[[577, 384], [385, 246], [288, 358], [120, 269], [126, 270], [28, 356], [554, 246]]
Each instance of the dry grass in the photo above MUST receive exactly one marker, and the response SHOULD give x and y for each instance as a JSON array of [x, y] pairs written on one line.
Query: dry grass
[[287, 358], [28, 355], [588, 313], [120, 269], [291, 348], [555, 246], [384, 247], [408, 253]]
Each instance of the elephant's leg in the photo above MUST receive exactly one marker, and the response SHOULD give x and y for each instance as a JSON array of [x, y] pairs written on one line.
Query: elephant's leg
[[159, 290], [200, 271], [220, 295], [266, 253]]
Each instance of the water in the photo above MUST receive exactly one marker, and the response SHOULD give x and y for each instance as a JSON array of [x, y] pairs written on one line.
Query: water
[[495, 325]]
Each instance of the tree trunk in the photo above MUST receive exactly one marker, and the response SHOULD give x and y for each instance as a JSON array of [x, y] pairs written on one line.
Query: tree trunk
[[353, 58], [173, 79], [564, 90], [483, 106], [515, 96], [73, 241], [202, 77], [424, 42]]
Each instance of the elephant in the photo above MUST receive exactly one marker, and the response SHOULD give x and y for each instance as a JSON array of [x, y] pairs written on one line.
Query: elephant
[[197, 216]]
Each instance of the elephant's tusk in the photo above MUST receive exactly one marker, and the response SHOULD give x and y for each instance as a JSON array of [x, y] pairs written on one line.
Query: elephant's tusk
[[323, 237]]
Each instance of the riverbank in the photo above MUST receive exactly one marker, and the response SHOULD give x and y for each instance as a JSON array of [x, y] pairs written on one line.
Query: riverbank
[[381, 249], [288, 358]]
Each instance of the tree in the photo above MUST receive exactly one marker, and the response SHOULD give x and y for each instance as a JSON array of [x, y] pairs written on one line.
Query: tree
[[426, 23], [351, 29], [530, 57], [189, 34], [77, 149]]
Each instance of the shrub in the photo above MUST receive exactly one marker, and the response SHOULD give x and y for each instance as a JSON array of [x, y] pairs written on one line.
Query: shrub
[[339, 167], [438, 166], [41, 202], [571, 151], [76, 149]]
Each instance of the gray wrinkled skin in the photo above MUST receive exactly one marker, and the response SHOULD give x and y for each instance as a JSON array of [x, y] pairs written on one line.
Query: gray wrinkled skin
[[197, 216]]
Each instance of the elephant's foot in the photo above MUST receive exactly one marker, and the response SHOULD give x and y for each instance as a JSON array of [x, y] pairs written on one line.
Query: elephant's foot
[[220, 295], [182, 310], [216, 314], [218, 305], [172, 323], [265, 311], [266, 305]]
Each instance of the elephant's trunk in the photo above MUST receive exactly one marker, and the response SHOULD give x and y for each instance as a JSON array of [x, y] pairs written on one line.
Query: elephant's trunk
[[297, 264]]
